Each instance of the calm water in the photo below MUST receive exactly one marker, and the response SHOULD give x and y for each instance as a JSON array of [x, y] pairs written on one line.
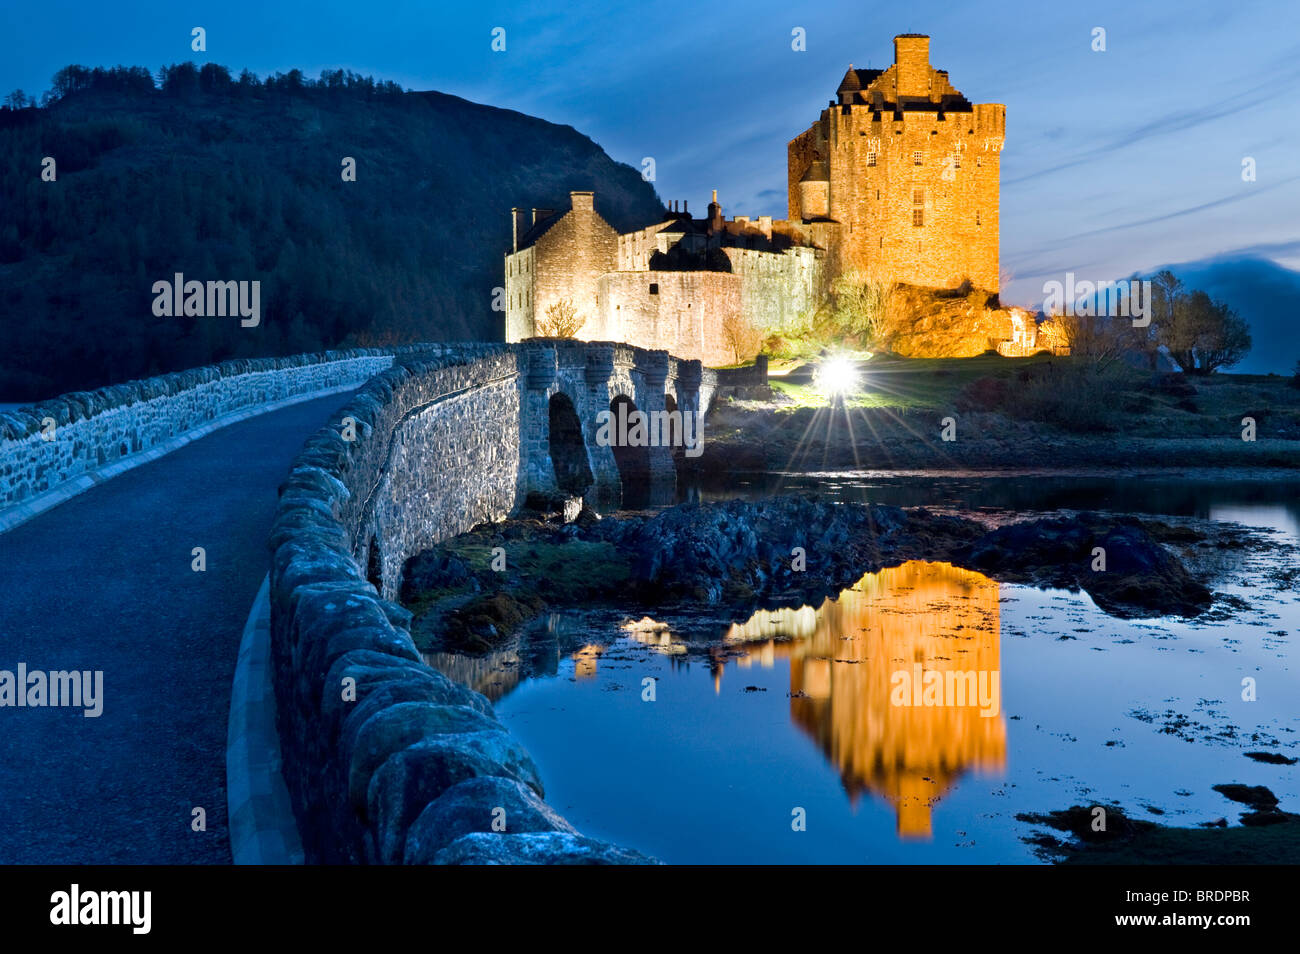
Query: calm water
[[792, 709]]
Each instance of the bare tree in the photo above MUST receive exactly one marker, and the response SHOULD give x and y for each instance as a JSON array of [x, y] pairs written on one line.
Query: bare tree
[[1097, 339], [742, 337], [562, 320], [860, 305]]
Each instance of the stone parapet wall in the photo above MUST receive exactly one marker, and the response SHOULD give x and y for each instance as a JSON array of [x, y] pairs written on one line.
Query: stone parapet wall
[[389, 761], [47, 444]]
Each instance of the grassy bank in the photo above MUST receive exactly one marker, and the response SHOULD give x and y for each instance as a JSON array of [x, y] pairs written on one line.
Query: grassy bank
[[1042, 411]]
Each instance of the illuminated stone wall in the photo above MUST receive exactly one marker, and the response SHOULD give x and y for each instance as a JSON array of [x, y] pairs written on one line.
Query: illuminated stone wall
[[685, 313], [904, 149]]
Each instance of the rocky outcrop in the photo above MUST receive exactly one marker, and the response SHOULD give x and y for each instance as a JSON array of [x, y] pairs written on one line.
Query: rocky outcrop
[[1135, 575], [792, 550]]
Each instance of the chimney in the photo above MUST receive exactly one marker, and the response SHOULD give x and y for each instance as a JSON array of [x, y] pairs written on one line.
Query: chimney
[[685, 203], [715, 213], [912, 64], [583, 201], [514, 229], [534, 216]]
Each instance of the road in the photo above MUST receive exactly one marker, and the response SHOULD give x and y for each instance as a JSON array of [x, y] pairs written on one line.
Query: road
[[104, 582]]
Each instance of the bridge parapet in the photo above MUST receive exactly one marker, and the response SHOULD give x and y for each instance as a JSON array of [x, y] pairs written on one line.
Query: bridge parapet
[[426, 450], [54, 448]]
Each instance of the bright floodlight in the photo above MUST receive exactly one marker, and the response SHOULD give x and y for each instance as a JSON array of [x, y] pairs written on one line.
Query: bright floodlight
[[837, 376]]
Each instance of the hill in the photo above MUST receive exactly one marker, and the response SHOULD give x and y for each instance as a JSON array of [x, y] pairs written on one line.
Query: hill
[[239, 180]]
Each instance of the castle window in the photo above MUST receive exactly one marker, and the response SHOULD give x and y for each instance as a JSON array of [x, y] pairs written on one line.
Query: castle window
[[956, 160], [918, 217], [977, 217], [918, 197], [654, 288], [871, 158], [916, 158]]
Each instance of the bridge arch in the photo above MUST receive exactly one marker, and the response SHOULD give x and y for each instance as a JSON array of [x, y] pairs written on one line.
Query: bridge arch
[[628, 441], [567, 447]]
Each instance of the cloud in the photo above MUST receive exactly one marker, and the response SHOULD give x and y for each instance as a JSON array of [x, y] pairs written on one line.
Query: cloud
[[1238, 196], [1282, 74]]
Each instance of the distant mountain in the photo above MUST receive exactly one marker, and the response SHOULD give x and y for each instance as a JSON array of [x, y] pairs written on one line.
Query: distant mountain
[[239, 179], [1262, 292]]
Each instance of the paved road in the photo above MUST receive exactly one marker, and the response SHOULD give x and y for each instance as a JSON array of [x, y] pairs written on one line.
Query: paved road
[[104, 582]]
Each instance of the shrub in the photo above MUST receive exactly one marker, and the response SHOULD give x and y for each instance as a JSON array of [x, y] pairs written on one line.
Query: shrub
[[1071, 396], [984, 394]]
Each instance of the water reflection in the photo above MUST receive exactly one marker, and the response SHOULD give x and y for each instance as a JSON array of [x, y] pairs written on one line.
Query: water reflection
[[847, 659], [843, 657]]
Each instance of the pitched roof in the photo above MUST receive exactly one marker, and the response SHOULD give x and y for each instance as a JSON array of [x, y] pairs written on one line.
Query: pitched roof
[[540, 228]]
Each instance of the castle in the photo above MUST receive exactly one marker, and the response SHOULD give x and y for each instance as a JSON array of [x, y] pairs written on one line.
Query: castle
[[897, 181]]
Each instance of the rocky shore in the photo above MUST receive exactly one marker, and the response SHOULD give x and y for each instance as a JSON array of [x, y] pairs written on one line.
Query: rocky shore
[[1267, 835], [739, 556]]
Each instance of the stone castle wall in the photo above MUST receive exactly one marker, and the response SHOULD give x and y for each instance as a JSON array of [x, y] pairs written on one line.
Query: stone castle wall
[[778, 290], [914, 193], [685, 313], [568, 260]]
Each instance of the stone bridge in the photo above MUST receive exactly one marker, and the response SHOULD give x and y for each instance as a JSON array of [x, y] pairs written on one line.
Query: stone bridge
[[438, 439], [488, 427]]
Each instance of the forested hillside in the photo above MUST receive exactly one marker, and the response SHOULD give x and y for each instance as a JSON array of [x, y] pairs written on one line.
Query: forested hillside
[[225, 178]]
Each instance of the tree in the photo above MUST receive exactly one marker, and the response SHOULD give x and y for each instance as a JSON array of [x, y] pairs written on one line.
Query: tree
[[17, 100], [860, 306], [1098, 340], [1225, 337], [742, 337], [1200, 334], [561, 321]]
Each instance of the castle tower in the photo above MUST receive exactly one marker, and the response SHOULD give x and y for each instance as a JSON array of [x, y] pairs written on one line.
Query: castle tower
[[903, 173]]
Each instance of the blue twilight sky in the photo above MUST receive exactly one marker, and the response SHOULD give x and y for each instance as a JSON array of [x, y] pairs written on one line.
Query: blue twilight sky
[[1115, 161]]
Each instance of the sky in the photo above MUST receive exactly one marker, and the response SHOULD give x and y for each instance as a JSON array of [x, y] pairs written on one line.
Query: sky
[[1116, 161]]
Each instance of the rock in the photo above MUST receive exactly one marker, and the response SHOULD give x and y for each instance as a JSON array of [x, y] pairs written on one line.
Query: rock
[[412, 778], [1256, 796], [395, 728], [537, 848], [1141, 577], [469, 807]]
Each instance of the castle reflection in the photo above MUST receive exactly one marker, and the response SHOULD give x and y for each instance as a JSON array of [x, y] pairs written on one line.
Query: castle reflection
[[842, 656]]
